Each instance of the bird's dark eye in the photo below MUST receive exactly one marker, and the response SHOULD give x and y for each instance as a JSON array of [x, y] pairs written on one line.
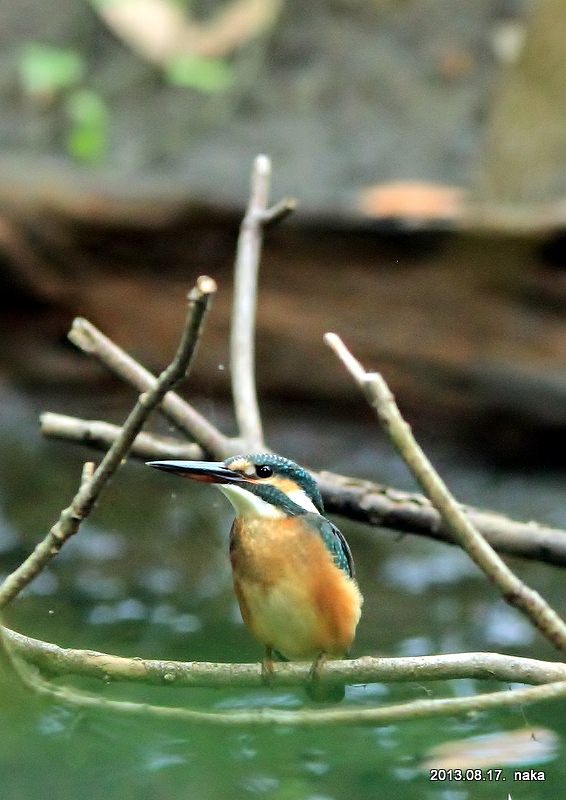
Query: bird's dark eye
[[264, 471]]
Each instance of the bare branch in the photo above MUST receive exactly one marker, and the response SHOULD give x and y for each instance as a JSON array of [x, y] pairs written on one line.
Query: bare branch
[[363, 501], [279, 211], [382, 506], [242, 335], [90, 340], [305, 717], [89, 491], [102, 435], [491, 666], [89, 468], [514, 591], [56, 661]]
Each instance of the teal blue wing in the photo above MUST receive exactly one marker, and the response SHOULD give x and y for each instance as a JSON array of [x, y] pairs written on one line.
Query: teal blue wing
[[335, 542]]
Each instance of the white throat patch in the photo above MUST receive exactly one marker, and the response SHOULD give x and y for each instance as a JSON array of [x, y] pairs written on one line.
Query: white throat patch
[[247, 504]]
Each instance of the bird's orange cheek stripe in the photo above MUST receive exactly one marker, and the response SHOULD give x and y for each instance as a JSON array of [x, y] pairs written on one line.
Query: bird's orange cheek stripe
[[286, 485]]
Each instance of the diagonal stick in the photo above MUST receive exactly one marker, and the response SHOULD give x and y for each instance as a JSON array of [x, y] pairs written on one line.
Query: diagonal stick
[[92, 484], [514, 591]]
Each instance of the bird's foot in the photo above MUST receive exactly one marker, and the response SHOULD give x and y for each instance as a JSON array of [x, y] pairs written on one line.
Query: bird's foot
[[317, 667], [267, 670], [326, 691]]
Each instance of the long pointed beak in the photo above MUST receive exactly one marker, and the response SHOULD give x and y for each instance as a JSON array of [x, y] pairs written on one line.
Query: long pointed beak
[[206, 471]]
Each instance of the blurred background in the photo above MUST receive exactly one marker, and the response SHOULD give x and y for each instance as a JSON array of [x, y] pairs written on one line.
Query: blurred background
[[425, 141]]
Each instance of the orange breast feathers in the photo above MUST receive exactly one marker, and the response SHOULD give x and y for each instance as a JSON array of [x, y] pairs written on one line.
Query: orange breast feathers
[[292, 595]]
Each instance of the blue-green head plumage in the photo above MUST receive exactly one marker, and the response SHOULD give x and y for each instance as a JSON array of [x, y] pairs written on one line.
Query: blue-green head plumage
[[265, 465]]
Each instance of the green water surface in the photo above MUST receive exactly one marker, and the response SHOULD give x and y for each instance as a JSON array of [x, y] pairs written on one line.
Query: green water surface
[[148, 575]]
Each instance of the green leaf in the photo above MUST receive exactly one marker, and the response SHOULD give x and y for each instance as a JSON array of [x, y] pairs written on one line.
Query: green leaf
[[48, 70], [205, 74], [87, 137]]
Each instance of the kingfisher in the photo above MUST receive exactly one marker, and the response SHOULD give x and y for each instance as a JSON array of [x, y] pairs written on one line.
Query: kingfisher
[[292, 568]]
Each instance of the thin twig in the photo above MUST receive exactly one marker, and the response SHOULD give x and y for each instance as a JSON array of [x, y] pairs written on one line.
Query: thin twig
[[514, 591], [90, 340], [56, 661], [279, 211], [242, 335], [363, 501], [99, 434], [89, 491]]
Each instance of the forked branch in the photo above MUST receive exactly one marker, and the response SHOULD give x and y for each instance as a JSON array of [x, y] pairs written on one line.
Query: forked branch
[[514, 591], [261, 717], [374, 504], [242, 335], [93, 483]]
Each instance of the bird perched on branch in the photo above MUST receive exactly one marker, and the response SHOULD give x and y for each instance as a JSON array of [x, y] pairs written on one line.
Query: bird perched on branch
[[292, 568]]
